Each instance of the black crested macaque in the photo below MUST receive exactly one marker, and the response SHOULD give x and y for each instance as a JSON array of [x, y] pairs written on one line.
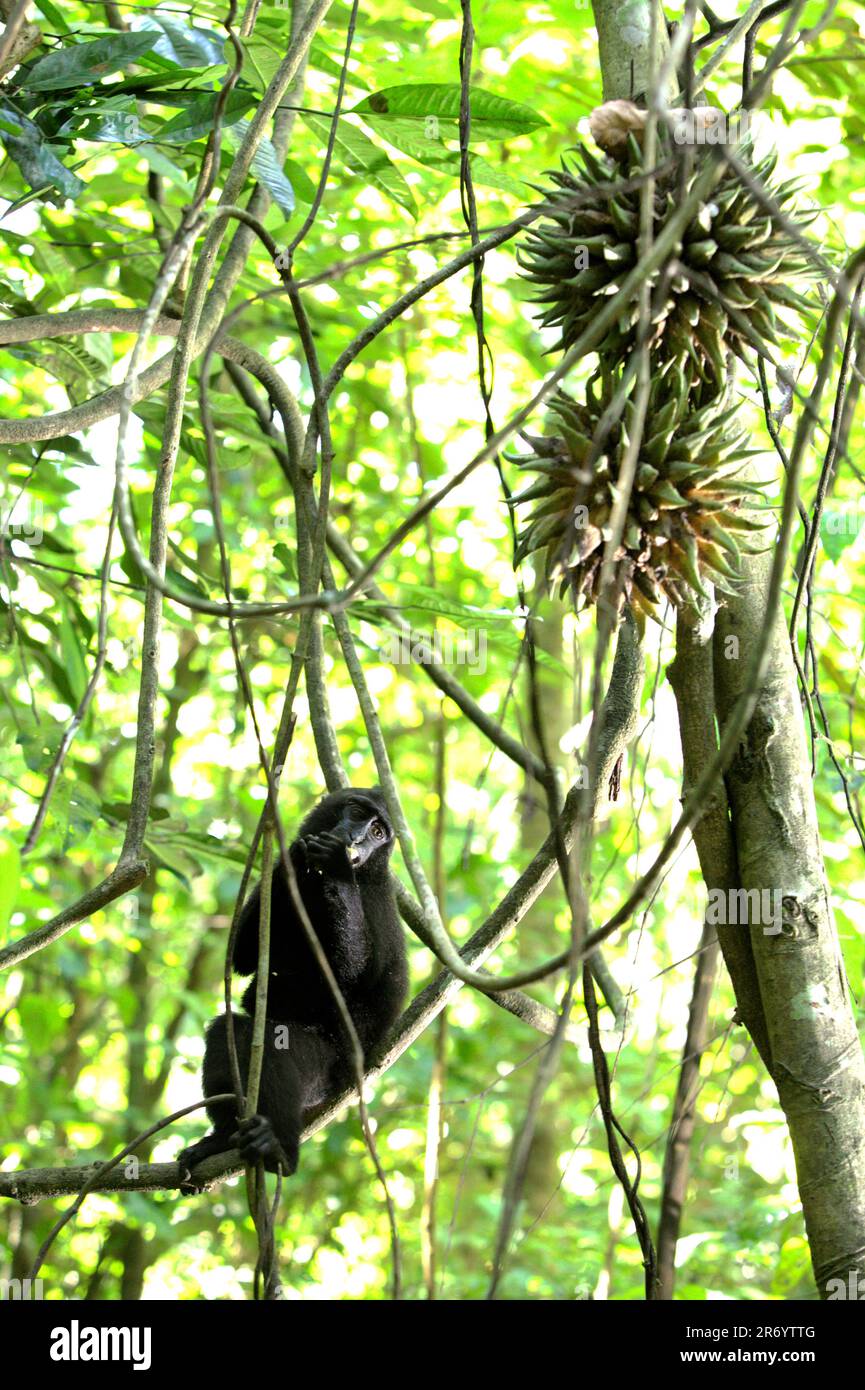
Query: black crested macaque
[[341, 858]]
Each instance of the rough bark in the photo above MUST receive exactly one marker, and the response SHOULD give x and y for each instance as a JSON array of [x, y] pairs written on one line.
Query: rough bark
[[692, 678], [624, 36], [816, 1058]]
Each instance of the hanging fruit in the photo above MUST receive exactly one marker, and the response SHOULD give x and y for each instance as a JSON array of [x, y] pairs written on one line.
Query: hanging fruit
[[735, 273], [685, 525]]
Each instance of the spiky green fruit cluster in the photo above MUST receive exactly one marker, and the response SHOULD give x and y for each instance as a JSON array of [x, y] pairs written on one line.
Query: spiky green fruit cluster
[[738, 265], [684, 525]]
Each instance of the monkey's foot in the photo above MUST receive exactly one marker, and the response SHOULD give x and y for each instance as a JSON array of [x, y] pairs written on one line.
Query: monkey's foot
[[258, 1143], [189, 1157]]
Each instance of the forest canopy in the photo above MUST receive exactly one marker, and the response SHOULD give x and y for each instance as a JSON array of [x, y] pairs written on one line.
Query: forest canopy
[[374, 412]]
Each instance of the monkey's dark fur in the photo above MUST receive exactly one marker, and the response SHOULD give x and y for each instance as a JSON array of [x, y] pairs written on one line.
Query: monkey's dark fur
[[341, 860]]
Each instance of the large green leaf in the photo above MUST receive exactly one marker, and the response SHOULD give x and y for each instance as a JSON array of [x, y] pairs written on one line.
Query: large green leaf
[[431, 105], [196, 120], [187, 45], [115, 119], [304, 188], [84, 64], [26, 145], [266, 167], [408, 136], [260, 61], [55, 17], [179, 89], [361, 156]]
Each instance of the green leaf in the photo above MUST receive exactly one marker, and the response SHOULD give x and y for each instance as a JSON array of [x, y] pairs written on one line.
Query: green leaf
[[484, 172], [41, 169], [161, 164], [54, 17], [266, 166], [84, 64], [304, 188], [407, 136], [10, 877], [181, 865], [215, 848], [196, 120], [119, 811], [433, 104], [51, 263], [320, 58], [115, 119], [260, 61], [183, 44], [286, 558], [171, 88], [426, 599], [73, 657], [180, 581], [361, 156], [84, 811], [69, 362]]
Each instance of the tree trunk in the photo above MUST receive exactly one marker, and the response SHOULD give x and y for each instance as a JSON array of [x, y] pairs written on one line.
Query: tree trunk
[[815, 1056], [809, 1039]]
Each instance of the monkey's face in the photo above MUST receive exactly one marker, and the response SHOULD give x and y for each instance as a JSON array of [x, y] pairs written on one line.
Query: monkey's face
[[366, 831]]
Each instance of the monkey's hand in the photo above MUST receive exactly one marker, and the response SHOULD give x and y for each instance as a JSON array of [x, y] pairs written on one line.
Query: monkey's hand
[[258, 1143], [324, 851]]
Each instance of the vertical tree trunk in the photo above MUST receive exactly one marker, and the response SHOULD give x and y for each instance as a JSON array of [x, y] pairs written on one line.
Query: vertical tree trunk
[[816, 1059], [809, 1039]]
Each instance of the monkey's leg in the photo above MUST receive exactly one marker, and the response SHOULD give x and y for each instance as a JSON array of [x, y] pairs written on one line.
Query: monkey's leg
[[295, 1075], [299, 1070], [272, 1135], [216, 1078]]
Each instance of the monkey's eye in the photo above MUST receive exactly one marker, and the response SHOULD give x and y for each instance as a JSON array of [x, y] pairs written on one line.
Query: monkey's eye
[[378, 831]]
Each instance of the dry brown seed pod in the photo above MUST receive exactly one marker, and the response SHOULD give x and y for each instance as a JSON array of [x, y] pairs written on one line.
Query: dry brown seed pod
[[612, 123]]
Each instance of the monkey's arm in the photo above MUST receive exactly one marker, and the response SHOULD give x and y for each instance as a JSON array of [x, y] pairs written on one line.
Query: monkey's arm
[[282, 915]]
